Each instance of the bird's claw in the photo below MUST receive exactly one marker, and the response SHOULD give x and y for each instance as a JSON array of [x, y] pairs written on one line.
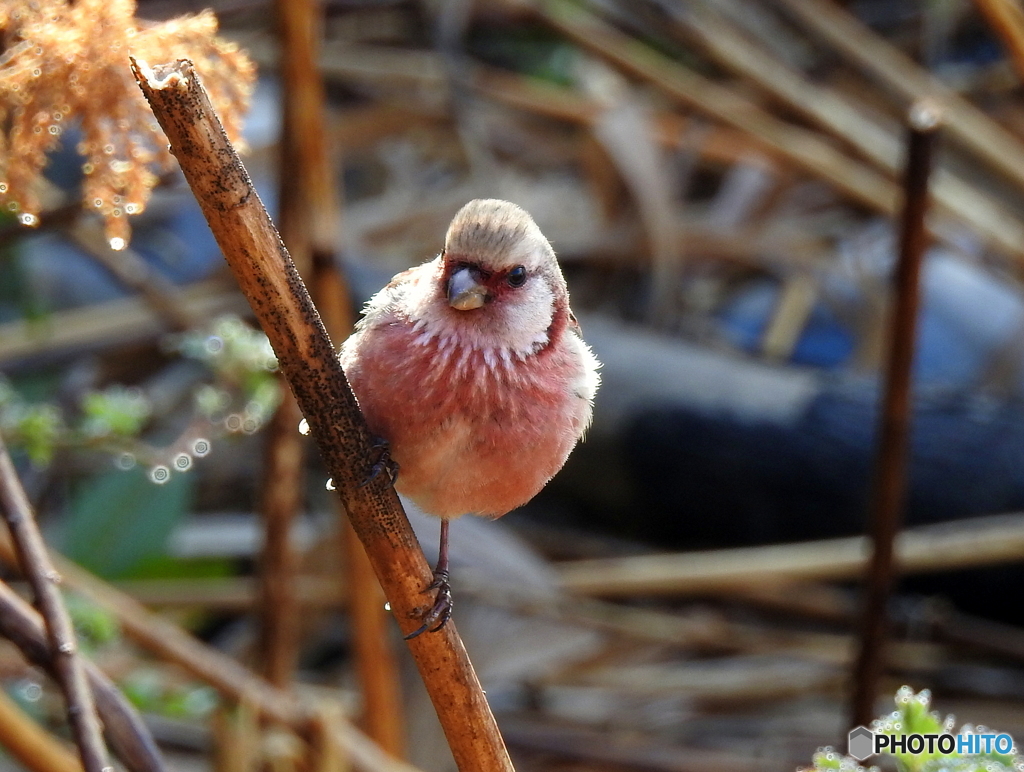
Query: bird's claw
[[384, 463], [441, 611]]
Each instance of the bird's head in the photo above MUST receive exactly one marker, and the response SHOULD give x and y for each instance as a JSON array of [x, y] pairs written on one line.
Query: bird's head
[[501, 273]]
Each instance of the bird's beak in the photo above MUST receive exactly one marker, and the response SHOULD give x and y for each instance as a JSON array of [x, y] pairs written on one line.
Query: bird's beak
[[465, 292]]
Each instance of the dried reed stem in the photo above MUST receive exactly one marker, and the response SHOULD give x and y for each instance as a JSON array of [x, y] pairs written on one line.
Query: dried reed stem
[[890, 474], [269, 280], [68, 668], [280, 500], [128, 736]]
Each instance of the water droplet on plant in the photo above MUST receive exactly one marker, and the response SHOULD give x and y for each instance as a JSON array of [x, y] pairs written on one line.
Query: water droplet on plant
[[97, 202], [3, 187], [200, 447], [330, 484], [160, 474], [37, 129], [117, 243], [13, 206], [233, 422], [58, 116], [251, 425], [182, 462], [108, 149], [131, 208], [67, 647], [55, 130], [125, 461], [387, 606], [213, 344], [36, 72], [304, 427], [25, 218]]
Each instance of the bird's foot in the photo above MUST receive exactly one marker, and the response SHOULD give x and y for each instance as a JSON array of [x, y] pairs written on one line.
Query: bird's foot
[[439, 614], [384, 463]]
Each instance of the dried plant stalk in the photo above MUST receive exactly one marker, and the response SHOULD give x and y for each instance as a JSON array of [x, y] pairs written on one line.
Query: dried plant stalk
[[269, 280], [127, 735], [68, 667], [31, 745], [64, 64], [309, 223], [234, 681], [281, 499]]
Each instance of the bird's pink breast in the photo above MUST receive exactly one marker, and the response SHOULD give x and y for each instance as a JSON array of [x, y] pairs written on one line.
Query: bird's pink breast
[[472, 433]]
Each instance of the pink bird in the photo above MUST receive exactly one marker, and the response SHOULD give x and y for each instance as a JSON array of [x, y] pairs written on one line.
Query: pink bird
[[472, 368]]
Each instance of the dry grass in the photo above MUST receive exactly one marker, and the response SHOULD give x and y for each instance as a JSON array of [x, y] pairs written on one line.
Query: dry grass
[[65, 65]]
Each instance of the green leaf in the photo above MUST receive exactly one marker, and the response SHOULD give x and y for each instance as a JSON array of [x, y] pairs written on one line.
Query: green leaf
[[93, 625], [120, 519]]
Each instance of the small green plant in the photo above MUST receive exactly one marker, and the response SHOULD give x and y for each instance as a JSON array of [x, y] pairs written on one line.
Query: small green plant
[[241, 393], [913, 715]]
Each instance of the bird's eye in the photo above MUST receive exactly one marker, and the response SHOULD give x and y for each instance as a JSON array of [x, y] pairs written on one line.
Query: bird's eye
[[517, 276]]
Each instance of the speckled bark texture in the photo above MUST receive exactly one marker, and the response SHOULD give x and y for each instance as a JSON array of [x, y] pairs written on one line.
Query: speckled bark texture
[[283, 308]]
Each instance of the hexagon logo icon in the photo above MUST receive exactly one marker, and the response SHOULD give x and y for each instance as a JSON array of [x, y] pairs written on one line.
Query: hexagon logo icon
[[860, 743]]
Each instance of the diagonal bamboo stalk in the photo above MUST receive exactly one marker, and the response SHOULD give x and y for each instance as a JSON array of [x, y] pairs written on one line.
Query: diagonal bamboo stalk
[[68, 668], [269, 280]]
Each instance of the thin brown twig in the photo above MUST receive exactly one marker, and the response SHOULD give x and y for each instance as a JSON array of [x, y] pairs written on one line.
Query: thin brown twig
[[128, 736], [282, 305], [168, 641], [891, 462], [68, 667]]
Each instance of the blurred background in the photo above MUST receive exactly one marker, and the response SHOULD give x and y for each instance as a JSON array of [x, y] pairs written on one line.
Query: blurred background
[[721, 182]]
